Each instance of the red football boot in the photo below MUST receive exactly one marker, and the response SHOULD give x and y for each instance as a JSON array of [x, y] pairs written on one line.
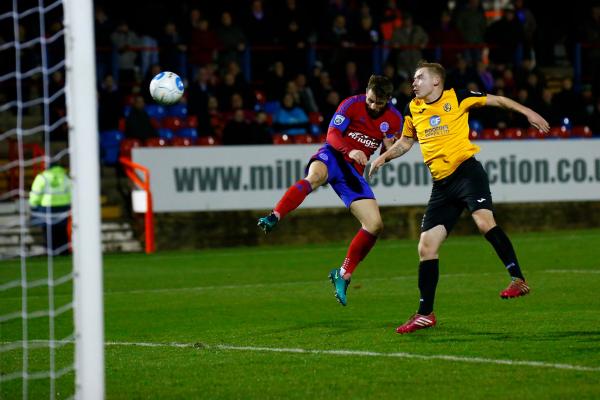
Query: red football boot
[[417, 322], [518, 287]]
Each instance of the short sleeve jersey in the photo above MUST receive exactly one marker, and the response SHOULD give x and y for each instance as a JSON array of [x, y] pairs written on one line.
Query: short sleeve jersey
[[352, 128], [442, 129]]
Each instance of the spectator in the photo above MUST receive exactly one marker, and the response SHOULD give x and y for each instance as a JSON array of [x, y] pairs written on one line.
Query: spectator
[[472, 25], [307, 97], [330, 105], [276, 81], [447, 36], [505, 37], [290, 119], [172, 49], [260, 131], [350, 83], [109, 104], [199, 91], [203, 44], [231, 39], [103, 29], [138, 124], [409, 40], [125, 42], [237, 130]]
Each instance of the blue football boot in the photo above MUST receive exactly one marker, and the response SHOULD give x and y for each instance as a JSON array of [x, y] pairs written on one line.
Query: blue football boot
[[268, 223], [340, 285]]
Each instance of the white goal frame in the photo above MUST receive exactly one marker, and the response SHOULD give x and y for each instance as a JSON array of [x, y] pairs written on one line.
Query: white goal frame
[[85, 174]]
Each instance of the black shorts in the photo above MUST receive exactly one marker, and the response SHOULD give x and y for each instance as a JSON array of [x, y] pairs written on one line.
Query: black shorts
[[467, 187]]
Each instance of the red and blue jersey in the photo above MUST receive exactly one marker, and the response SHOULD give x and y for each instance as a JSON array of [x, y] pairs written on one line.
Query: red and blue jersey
[[351, 128]]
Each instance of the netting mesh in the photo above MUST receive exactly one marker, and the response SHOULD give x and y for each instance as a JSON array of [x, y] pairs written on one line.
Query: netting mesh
[[36, 285]]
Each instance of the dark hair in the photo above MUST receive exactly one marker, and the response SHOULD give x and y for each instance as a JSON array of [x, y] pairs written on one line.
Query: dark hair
[[435, 68], [381, 86]]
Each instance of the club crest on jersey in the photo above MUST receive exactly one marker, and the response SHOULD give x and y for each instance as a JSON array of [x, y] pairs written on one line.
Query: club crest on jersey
[[338, 119], [384, 127], [323, 156], [435, 120], [447, 107]]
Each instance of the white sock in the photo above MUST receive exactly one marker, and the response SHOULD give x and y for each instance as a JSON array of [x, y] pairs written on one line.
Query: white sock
[[342, 271]]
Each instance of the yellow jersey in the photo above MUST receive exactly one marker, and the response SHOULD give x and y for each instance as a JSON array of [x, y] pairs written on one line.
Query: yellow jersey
[[442, 129]]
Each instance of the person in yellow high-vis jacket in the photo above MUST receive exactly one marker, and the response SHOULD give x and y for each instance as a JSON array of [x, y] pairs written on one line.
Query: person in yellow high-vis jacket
[[50, 201]]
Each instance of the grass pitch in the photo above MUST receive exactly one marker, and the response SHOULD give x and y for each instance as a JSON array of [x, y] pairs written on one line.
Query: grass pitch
[[262, 323]]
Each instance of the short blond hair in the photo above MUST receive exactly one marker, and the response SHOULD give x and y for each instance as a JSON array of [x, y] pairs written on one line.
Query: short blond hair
[[434, 68]]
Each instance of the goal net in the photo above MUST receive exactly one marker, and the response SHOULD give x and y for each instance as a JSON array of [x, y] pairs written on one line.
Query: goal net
[[51, 312]]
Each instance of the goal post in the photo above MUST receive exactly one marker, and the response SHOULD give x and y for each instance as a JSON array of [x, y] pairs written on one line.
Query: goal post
[[85, 174]]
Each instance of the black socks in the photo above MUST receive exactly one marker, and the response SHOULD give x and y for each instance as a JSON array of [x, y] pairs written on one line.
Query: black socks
[[429, 273], [505, 251]]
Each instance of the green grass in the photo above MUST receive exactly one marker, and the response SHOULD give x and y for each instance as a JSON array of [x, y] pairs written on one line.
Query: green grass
[[279, 298]]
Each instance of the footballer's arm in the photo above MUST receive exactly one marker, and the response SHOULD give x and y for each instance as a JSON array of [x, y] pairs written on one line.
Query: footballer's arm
[[403, 145], [534, 118]]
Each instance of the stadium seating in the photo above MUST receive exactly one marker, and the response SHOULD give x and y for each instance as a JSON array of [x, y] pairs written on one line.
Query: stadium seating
[[179, 141], [191, 133], [513, 133], [110, 142], [165, 133], [271, 107], [581, 131], [279, 138], [126, 146], [474, 135], [191, 121], [491, 134], [206, 141], [177, 110], [173, 123], [534, 133], [303, 139], [122, 124], [155, 111], [156, 142], [559, 132]]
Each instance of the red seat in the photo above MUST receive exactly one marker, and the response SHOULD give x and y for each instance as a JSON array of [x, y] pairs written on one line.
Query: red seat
[[315, 117], [583, 131], [513, 133], [206, 141], [179, 141], [559, 132], [473, 135], [322, 138], [260, 97], [191, 121], [122, 124], [126, 146], [173, 123], [491, 134], [156, 142], [535, 133], [155, 123], [303, 139], [279, 138]]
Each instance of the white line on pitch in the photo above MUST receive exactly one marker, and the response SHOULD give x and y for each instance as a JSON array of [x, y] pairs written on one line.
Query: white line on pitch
[[358, 353], [573, 271]]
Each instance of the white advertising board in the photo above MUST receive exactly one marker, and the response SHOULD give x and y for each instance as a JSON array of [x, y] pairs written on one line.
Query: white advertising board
[[255, 177]]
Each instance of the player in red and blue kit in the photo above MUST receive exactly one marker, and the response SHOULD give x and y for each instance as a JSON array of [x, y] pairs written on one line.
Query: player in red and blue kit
[[358, 128]]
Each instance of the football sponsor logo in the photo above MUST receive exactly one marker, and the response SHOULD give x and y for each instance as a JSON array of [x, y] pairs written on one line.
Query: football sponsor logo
[[481, 200], [338, 119], [365, 140], [476, 93], [447, 107], [323, 156], [435, 120], [421, 110], [384, 127]]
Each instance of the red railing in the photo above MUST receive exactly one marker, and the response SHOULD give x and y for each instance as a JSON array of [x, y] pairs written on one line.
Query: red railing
[[131, 169]]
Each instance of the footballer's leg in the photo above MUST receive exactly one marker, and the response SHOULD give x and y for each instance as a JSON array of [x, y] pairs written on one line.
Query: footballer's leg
[[499, 240], [367, 212], [295, 195]]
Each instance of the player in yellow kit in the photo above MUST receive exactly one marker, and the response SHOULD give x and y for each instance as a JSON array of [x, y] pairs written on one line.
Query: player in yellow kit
[[439, 120]]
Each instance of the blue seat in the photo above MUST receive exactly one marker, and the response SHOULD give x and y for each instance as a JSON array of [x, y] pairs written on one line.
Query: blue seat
[[110, 142], [126, 111], [271, 107], [165, 133], [190, 133], [177, 110], [155, 111]]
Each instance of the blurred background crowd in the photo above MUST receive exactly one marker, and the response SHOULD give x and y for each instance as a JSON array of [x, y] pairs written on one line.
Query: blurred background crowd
[[264, 71]]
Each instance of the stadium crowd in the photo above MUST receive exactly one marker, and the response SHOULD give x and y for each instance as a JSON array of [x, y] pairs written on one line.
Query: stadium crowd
[[260, 70]]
